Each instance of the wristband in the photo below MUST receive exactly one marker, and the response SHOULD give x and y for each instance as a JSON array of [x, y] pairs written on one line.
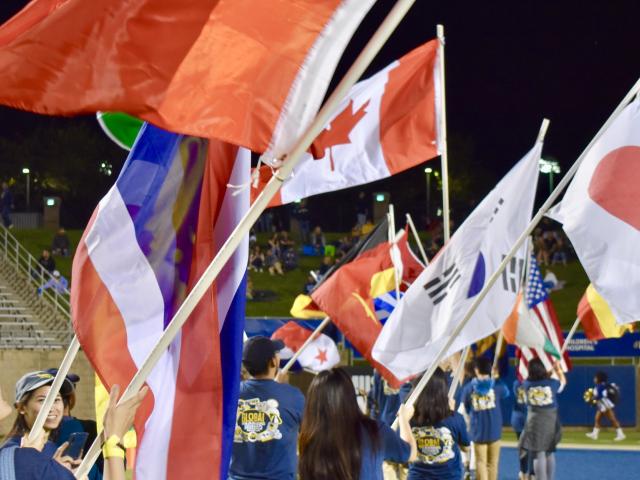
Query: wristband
[[113, 448]]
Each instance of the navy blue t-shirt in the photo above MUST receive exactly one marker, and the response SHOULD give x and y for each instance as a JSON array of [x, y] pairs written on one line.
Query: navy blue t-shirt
[[391, 448], [439, 449], [519, 412], [482, 399], [30, 464], [383, 401], [266, 434], [542, 393]]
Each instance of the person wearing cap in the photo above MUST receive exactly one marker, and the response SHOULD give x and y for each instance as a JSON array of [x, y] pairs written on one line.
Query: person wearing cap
[[57, 283], [268, 419], [24, 459], [41, 458], [71, 424]]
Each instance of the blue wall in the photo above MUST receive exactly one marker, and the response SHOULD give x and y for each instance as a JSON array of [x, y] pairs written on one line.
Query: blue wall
[[573, 409]]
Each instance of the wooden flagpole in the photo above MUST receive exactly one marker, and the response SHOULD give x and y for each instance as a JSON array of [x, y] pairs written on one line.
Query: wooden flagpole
[[570, 335], [442, 131], [372, 48], [459, 372], [415, 234]]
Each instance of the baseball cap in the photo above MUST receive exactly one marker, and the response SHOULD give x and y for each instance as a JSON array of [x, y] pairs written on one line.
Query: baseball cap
[[258, 351], [34, 380]]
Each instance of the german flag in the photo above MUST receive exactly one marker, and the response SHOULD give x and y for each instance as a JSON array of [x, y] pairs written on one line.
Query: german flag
[[596, 317], [347, 292]]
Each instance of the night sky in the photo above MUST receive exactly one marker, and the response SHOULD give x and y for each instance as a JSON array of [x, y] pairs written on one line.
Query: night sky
[[508, 65]]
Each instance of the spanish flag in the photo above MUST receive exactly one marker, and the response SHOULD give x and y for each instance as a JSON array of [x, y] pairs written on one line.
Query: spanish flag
[[596, 317]]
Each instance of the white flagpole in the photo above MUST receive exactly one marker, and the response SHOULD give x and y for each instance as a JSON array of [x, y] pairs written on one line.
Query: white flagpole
[[442, 131], [392, 242], [65, 366], [415, 234], [307, 342], [459, 372], [570, 335], [496, 356], [523, 236], [374, 45]]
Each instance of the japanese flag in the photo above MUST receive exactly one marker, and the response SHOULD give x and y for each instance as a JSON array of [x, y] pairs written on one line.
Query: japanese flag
[[601, 214]]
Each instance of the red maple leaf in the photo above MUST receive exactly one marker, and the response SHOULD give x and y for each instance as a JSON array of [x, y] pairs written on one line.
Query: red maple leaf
[[322, 356], [337, 133]]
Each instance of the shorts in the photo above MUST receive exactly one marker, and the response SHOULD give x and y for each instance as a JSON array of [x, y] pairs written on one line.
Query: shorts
[[604, 404]]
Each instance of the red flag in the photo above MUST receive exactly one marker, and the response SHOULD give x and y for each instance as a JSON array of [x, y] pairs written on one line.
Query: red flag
[[248, 72], [347, 294], [386, 125]]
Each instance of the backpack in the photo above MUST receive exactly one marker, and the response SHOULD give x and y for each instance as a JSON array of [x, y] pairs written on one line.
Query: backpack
[[613, 392]]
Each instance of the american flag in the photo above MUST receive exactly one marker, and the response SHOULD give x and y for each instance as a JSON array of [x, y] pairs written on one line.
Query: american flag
[[537, 296]]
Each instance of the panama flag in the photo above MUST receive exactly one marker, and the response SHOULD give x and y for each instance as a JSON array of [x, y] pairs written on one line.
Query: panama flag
[[147, 243], [387, 124], [321, 354], [252, 73], [436, 302], [600, 213]]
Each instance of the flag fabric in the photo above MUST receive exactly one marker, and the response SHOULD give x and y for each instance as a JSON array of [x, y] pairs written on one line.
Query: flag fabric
[[386, 124], [121, 128], [436, 302], [147, 243], [596, 318], [321, 354], [543, 318], [600, 213], [248, 72], [348, 290]]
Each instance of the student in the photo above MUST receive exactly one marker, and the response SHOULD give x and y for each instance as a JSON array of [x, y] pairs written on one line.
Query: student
[[518, 419], [440, 434], [337, 441], [604, 406], [269, 416], [481, 399], [40, 458], [542, 431]]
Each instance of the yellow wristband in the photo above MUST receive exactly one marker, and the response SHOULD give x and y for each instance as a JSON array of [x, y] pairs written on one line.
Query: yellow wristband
[[112, 448]]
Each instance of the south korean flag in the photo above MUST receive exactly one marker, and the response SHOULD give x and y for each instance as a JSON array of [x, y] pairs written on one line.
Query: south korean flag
[[436, 302]]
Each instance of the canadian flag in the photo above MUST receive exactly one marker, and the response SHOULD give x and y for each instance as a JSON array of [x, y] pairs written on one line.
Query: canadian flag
[[387, 124], [601, 214], [321, 354]]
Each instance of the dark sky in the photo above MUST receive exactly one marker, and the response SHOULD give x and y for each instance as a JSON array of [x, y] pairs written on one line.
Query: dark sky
[[509, 64]]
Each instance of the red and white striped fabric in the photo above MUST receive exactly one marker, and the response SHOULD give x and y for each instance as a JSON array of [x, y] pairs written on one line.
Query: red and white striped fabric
[[546, 315], [147, 243]]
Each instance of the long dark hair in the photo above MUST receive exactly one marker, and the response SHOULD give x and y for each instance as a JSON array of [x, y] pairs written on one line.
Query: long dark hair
[[332, 430], [432, 406], [20, 426], [537, 371]]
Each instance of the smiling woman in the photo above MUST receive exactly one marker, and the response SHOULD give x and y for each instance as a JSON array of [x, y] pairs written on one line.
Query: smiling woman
[[24, 459]]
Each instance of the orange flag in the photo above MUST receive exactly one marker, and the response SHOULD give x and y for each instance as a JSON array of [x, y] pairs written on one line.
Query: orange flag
[[252, 73]]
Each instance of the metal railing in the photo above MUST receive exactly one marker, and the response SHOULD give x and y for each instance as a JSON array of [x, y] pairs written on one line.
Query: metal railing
[[30, 270]]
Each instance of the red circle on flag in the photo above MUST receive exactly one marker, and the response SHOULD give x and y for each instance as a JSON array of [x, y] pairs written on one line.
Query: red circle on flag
[[615, 184]]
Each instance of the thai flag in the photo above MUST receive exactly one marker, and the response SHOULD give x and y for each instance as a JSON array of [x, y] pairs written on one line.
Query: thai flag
[[147, 243]]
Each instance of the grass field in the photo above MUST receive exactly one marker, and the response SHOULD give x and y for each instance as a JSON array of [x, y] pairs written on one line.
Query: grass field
[[577, 436], [289, 285]]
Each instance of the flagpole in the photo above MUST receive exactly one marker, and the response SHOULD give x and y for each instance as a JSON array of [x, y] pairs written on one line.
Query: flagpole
[[570, 335], [527, 231], [392, 242], [65, 366], [312, 337], [415, 234], [372, 48], [442, 130], [496, 356], [459, 372]]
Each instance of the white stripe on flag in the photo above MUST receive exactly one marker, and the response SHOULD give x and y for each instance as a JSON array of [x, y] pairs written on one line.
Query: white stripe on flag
[[125, 272], [232, 210], [545, 319]]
